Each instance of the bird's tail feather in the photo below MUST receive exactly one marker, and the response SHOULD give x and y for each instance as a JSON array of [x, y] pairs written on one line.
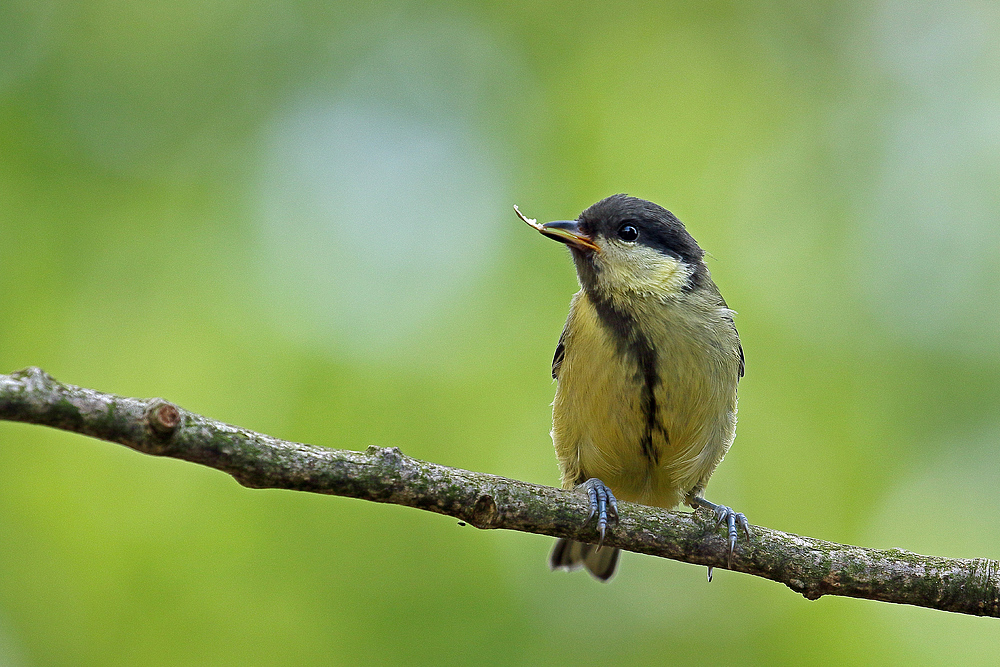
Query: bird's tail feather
[[571, 555]]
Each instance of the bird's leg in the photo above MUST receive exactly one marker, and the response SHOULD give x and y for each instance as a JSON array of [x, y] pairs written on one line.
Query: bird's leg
[[727, 515], [602, 503]]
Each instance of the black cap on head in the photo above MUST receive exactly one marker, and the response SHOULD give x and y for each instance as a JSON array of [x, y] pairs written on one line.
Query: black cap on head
[[657, 227]]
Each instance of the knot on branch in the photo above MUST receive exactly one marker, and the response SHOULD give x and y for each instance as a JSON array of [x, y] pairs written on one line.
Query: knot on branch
[[34, 377], [810, 591], [484, 512], [163, 417], [390, 453]]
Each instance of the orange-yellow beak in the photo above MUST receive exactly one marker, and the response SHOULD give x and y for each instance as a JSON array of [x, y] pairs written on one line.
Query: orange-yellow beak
[[564, 231]]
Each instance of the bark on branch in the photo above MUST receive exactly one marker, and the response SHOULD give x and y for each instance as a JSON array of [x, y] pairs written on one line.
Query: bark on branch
[[809, 566]]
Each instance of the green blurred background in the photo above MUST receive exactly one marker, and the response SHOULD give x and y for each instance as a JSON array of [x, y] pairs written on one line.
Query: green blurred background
[[296, 216]]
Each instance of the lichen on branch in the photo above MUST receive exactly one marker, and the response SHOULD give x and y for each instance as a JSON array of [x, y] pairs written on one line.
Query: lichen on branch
[[806, 565]]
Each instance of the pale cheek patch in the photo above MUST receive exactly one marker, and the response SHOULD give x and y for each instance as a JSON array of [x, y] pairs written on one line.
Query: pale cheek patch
[[641, 271]]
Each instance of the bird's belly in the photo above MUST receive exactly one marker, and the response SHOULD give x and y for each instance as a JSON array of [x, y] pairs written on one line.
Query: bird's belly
[[609, 446], [602, 424]]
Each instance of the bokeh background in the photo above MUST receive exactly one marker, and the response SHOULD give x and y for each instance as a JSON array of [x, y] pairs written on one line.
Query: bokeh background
[[296, 216]]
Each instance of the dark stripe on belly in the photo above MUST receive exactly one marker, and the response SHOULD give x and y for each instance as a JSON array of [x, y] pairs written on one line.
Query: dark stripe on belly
[[632, 344]]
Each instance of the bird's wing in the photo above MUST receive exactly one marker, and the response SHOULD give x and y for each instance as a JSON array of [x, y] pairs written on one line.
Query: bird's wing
[[739, 345], [560, 354]]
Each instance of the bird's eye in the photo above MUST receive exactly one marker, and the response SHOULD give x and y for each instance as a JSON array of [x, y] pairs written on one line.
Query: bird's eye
[[628, 233]]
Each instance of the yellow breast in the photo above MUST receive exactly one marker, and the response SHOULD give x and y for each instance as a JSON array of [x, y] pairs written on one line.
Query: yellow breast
[[602, 426]]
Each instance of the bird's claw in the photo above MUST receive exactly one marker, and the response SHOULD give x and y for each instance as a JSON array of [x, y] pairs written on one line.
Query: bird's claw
[[732, 520], [603, 504]]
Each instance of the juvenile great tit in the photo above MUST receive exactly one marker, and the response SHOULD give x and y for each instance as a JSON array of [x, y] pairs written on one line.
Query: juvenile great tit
[[647, 368]]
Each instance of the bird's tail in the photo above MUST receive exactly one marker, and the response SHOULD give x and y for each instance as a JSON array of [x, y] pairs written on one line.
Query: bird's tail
[[570, 555]]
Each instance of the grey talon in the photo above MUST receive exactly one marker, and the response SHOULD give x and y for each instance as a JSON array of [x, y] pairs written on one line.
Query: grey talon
[[603, 504], [734, 521]]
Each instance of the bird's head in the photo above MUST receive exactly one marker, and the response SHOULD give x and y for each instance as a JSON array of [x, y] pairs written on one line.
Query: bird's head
[[625, 247]]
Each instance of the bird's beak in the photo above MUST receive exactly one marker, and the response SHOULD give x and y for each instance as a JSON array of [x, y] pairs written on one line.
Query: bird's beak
[[564, 231], [568, 232]]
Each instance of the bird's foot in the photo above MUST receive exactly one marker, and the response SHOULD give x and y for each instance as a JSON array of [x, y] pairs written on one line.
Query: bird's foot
[[603, 504], [733, 520]]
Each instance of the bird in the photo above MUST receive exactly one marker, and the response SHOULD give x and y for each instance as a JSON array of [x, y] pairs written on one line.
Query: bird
[[647, 368]]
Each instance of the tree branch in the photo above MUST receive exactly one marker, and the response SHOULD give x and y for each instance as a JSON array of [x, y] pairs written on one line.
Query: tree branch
[[809, 566]]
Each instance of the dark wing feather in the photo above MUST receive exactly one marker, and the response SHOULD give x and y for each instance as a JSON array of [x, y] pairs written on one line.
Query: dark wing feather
[[560, 354], [739, 345], [739, 348]]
